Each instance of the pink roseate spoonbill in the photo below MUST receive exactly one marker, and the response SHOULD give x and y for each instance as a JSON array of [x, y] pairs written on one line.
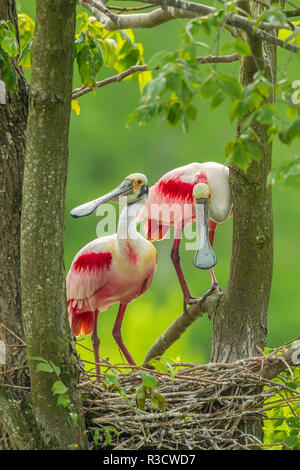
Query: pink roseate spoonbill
[[110, 269], [171, 202]]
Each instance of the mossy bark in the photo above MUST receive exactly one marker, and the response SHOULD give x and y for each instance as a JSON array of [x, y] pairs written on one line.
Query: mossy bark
[[240, 323], [13, 120], [45, 318]]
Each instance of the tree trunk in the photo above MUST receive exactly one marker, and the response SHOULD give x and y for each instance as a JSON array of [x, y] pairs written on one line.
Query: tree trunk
[[240, 323], [13, 119], [45, 316]]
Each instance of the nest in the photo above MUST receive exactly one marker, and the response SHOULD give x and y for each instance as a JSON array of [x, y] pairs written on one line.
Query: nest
[[204, 407]]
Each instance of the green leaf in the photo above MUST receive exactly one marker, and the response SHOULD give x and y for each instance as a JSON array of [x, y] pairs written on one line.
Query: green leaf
[[191, 112], [140, 397], [123, 395], [42, 367], [148, 380], [279, 436], [86, 66], [10, 45], [170, 368], [63, 400], [154, 89], [292, 132], [158, 401], [266, 114], [26, 55], [287, 174], [230, 85], [111, 379], [293, 422], [242, 47], [217, 100], [55, 368], [96, 437], [291, 440], [274, 16], [38, 358], [59, 388], [264, 89], [174, 82], [74, 417], [174, 113], [210, 87]]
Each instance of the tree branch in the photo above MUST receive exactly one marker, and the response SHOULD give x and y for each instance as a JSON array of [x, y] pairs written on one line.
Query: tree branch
[[291, 13], [175, 330], [133, 21], [114, 78], [225, 59], [274, 364], [173, 9]]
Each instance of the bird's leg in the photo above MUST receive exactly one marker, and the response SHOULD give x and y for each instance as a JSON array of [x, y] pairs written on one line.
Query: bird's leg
[[215, 287], [96, 344], [176, 261], [117, 334], [214, 283]]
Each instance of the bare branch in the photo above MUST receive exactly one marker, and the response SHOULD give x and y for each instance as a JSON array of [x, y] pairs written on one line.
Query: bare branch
[[115, 78], [137, 20], [225, 59], [274, 364], [291, 13], [173, 9], [175, 330]]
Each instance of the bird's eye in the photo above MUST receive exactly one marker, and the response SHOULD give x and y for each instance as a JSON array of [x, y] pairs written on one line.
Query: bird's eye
[[139, 181]]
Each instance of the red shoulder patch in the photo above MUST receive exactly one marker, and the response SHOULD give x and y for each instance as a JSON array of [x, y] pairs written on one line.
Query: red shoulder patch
[[177, 189], [93, 261]]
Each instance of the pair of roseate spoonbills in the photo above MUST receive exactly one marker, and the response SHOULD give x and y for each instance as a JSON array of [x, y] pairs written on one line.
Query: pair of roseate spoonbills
[[120, 267]]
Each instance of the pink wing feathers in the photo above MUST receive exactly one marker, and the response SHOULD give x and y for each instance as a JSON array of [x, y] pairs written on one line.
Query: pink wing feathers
[[169, 201], [87, 274]]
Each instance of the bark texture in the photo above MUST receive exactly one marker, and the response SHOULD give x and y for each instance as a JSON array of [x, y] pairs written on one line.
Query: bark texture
[[240, 323], [13, 119], [45, 316]]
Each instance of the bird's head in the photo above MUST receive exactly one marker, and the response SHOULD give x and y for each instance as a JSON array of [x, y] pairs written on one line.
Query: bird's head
[[132, 189], [201, 191]]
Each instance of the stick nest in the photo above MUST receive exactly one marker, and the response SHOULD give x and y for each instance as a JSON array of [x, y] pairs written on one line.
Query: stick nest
[[207, 407]]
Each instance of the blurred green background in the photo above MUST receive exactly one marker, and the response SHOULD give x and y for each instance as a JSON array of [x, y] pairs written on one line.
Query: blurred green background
[[103, 151]]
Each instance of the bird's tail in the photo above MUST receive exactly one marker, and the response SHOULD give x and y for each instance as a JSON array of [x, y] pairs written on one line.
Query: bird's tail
[[155, 230], [80, 322]]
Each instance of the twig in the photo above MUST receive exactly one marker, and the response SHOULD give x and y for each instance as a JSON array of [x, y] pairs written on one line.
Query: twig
[[178, 327], [172, 9], [210, 59], [78, 92]]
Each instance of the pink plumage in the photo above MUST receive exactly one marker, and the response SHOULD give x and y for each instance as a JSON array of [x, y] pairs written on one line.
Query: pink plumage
[[170, 202], [116, 268]]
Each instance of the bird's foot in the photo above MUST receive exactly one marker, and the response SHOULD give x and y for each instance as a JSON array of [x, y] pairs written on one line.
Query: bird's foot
[[214, 289]]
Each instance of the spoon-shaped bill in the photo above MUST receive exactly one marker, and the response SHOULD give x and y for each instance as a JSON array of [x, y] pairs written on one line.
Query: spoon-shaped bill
[[204, 257], [88, 208]]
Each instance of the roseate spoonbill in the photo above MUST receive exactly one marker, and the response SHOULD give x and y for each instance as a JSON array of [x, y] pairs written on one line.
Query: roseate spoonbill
[[171, 202], [110, 269]]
